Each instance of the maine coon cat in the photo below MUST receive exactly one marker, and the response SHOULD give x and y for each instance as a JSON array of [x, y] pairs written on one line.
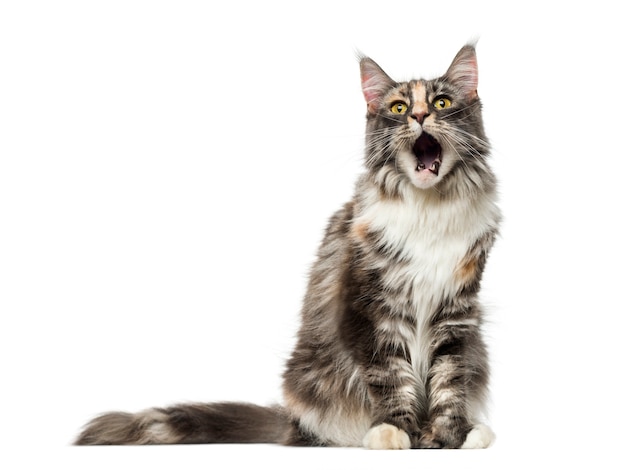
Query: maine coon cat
[[389, 354]]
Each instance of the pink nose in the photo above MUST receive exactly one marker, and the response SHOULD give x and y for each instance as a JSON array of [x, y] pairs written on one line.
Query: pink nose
[[420, 116]]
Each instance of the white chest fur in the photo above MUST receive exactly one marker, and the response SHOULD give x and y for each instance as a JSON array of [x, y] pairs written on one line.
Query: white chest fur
[[433, 237]]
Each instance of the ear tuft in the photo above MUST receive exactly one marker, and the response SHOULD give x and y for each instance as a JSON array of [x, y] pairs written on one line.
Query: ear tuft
[[463, 71], [374, 82]]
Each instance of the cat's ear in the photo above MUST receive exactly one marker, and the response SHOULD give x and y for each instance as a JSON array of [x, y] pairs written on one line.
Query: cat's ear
[[463, 71], [374, 82]]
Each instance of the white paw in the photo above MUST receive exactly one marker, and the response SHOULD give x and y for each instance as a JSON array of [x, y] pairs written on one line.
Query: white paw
[[386, 436], [480, 437]]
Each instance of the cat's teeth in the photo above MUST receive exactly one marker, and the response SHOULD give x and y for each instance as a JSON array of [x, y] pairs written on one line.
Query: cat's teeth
[[434, 166]]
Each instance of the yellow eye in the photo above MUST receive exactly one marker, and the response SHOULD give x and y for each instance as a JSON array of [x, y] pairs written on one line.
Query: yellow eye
[[399, 108], [441, 102]]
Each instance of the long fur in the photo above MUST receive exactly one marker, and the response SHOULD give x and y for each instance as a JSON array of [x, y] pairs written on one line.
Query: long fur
[[389, 353]]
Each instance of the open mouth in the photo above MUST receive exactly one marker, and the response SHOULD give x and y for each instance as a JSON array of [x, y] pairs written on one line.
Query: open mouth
[[428, 153]]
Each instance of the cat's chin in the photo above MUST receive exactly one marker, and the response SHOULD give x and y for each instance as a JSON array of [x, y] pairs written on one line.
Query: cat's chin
[[424, 179]]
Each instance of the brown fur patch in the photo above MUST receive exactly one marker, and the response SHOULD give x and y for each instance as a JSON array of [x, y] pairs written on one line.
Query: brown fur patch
[[420, 106], [467, 270], [360, 230]]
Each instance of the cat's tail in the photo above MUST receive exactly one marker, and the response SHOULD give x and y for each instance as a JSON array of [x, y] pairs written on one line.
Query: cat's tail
[[190, 424]]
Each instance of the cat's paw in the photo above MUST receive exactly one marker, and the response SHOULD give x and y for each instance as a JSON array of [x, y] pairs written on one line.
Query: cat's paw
[[480, 437], [429, 441], [386, 436]]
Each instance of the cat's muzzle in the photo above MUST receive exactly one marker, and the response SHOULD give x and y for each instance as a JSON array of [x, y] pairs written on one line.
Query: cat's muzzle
[[428, 153]]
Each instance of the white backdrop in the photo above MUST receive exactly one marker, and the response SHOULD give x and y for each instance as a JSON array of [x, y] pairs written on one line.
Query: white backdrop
[[167, 170]]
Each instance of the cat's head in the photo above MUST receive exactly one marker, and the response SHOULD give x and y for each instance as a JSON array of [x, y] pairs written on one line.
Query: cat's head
[[426, 132]]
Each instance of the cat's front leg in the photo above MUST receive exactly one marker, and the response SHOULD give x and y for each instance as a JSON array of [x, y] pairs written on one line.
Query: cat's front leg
[[457, 378], [392, 391], [448, 423]]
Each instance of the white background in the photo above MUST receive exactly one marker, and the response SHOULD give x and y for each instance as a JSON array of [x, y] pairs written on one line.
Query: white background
[[166, 173]]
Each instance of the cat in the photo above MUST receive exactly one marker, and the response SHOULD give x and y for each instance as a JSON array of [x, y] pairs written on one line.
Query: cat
[[389, 354]]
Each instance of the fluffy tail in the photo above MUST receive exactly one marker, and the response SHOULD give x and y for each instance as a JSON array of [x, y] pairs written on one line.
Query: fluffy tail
[[190, 424]]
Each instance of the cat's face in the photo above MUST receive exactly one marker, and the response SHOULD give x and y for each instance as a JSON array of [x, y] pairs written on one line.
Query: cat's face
[[423, 130]]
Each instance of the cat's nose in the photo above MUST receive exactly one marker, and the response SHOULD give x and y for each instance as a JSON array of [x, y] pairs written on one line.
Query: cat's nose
[[419, 117]]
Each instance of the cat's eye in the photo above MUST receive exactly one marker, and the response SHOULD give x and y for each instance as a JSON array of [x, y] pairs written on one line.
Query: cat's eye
[[442, 102], [399, 107]]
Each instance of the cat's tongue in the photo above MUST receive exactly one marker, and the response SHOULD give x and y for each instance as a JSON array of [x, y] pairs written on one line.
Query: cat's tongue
[[428, 153]]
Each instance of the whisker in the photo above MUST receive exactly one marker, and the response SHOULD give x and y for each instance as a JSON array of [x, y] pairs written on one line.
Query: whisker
[[450, 144], [464, 108]]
